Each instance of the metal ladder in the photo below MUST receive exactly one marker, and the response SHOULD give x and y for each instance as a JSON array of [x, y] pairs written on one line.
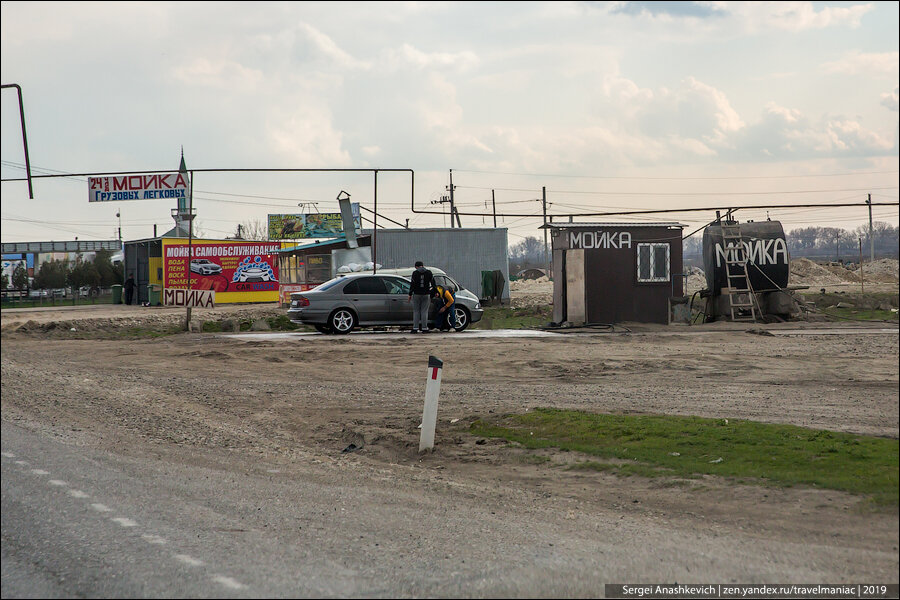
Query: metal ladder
[[737, 278]]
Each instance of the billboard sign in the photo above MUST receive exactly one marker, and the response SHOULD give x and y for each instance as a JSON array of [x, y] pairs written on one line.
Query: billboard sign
[[9, 268], [138, 187], [318, 225], [236, 271]]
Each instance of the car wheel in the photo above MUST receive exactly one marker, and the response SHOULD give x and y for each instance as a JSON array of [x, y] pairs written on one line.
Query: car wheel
[[323, 328], [342, 321], [462, 318]]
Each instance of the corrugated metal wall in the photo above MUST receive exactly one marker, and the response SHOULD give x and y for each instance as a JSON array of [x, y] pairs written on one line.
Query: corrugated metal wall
[[462, 253]]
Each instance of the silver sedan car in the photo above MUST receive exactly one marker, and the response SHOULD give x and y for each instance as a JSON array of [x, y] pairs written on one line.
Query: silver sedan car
[[370, 300]]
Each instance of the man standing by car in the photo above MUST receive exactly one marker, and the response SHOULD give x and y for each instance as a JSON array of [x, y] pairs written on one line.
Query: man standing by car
[[420, 293]]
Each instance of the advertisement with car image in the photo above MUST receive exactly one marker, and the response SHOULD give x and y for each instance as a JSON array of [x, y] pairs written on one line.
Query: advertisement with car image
[[235, 271]]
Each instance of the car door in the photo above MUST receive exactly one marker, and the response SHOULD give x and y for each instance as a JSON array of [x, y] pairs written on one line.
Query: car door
[[398, 304], [368, 297]]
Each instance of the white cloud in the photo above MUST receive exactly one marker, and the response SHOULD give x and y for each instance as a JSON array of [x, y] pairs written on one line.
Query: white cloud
[[871, 64], [794, 16], [305, 138], [787, 133], [890, 100], [748, 17], [311, 43], [407, 56], [221, 74], [694, 111]]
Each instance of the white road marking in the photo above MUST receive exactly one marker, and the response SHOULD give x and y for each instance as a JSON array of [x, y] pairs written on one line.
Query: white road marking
[[153, 539], [222, 580], [189, 560], [228, 582]]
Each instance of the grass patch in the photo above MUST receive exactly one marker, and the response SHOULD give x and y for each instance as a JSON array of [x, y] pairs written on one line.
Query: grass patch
[[656, 445], [282, 323], [211, 327], [851, 314], [874, 306]]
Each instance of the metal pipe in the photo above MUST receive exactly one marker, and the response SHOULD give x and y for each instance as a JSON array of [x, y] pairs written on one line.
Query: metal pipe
[[375, 229], [24, 136]]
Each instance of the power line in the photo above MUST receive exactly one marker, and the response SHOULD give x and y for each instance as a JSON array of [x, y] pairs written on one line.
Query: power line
[[604, 193], [638, 178]]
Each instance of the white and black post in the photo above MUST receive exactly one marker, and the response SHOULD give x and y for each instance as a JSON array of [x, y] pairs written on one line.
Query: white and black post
[[429, 415]]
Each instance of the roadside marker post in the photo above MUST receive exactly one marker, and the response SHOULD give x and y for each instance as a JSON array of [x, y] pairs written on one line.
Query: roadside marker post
[[429, 415]]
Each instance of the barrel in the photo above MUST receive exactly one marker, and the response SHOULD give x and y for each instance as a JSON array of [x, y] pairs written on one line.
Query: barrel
[[763, 252]]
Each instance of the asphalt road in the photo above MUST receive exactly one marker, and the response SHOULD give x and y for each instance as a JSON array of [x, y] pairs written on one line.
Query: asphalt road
[[80, 522]]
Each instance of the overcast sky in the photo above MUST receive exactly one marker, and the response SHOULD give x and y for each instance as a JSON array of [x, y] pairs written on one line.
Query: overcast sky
[[608, 105]]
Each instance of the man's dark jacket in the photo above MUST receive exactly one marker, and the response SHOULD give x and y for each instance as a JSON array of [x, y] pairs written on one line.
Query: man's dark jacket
[[422, 282]]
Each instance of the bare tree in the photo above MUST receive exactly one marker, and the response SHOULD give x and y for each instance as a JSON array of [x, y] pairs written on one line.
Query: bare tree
[[253, 229]]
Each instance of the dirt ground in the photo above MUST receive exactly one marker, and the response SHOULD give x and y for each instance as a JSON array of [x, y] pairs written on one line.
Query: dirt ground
[[289, 397]]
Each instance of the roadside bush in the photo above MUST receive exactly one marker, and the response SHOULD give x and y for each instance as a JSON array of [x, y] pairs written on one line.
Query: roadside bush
[[282, 323]]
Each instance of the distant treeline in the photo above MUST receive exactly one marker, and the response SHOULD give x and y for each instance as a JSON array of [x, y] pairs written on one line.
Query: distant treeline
[[827, 243]]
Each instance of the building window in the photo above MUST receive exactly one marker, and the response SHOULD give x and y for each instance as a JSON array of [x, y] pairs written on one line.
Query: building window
[[652, 263]]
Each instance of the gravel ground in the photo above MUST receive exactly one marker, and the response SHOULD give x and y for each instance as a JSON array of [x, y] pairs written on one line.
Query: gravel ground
[[230, 401]]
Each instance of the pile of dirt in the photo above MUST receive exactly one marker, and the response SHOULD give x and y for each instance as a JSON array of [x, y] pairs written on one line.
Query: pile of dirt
[[526, 293], [531, 285], [807, 272], [883, 270], [695, 281]]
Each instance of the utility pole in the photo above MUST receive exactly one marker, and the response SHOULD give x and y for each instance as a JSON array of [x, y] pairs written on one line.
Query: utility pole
[[187, 322], [871, 232], [453, 213], [862, 277], [452, 205], [546, 249], [494, 208]]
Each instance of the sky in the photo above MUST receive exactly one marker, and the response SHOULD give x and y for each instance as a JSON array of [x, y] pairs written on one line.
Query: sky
[[591, 107]]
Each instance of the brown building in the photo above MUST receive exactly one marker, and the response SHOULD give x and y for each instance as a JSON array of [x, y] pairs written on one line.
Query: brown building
[[614, 272]]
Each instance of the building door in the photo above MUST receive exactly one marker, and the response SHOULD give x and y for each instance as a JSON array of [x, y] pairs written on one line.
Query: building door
[[574, 273]]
